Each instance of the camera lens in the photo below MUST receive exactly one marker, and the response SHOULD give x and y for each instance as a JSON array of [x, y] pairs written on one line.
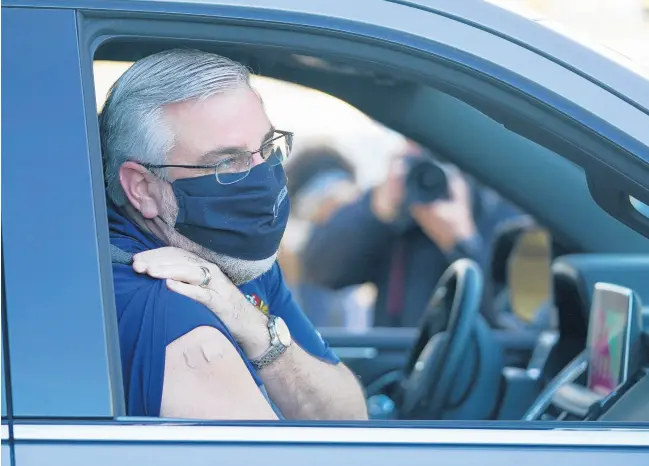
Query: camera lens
[[425, 182]]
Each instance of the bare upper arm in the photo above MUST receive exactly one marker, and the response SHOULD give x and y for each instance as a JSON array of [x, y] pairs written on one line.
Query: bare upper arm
[[205, 378]]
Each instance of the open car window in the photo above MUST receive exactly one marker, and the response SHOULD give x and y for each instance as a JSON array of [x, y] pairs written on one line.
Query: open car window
[[497, 370], [339, 162], [340, 156]]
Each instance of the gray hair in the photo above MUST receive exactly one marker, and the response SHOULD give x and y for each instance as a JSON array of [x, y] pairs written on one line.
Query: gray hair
[[131, 123]]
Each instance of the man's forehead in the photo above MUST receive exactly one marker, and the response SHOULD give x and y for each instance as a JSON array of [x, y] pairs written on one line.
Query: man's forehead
[[234, 118]]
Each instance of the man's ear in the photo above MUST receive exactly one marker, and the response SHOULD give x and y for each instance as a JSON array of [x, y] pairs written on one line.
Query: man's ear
[[137, 183]]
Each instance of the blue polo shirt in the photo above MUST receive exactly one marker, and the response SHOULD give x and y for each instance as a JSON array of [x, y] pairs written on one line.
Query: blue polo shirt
[[150, 316]]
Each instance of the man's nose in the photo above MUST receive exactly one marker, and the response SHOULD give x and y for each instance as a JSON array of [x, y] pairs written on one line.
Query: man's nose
[[257, 159]]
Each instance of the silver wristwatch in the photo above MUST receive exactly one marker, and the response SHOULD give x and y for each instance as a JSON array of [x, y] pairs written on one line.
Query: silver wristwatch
[[280, 340]]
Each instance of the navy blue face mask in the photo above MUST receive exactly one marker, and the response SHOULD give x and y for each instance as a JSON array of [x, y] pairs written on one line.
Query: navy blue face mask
[[245, 220]]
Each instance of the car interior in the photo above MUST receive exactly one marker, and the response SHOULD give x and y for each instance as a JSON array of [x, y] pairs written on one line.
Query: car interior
[[467, 361]]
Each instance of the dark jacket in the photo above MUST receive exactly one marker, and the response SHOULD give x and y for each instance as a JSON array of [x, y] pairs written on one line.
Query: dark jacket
[[354, 247]]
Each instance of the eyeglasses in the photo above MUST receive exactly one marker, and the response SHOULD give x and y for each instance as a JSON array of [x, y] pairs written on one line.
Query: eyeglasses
[[235, 167]]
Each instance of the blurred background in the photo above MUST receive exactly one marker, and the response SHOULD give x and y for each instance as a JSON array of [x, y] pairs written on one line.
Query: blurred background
[[617, 28]]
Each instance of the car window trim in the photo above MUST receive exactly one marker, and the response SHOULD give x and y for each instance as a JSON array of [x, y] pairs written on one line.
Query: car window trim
[[391, 32], [539, 19], [439, 53], [337, 435], [97, 40], [7, 405], [481, 16], [67, 286]]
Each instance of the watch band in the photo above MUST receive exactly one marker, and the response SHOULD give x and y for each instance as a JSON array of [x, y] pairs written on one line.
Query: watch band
[[269, 357], [277, 348]]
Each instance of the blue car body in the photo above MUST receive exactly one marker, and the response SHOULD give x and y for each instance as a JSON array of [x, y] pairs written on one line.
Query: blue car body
[[63, 400]]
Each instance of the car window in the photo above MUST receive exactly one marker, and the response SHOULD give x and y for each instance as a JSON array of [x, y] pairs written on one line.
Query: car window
[[362, 252], [340, 158], [72, 320], [377, 220]]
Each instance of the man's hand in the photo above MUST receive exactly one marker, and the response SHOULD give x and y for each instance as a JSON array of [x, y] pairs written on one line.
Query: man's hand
[[183, 274], [302, 386], [388, 196], [447, 222]]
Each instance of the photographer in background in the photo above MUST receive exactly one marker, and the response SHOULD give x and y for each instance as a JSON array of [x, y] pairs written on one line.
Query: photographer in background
[[320, 181], [391, 238]]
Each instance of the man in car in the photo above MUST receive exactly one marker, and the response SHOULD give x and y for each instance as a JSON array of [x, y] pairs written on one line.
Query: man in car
[[197, 195], [363, 241]]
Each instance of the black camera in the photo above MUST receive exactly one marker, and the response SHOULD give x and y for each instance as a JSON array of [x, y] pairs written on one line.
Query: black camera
[[425, 181]]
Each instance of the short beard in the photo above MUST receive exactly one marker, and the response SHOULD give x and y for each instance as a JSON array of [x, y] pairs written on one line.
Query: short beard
[[239, 271]]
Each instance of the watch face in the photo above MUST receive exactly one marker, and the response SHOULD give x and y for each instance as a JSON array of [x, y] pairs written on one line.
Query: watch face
[[283, 333]]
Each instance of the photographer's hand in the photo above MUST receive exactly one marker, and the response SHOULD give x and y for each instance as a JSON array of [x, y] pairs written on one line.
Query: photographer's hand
[[388, 196], [450, 221]]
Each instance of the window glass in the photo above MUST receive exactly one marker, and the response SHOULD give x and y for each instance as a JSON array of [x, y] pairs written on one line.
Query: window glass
[[363, 250], [375, 221], [383, 270]]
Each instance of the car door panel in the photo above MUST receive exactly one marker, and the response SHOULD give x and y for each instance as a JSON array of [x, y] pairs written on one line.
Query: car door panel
[[54, 272], [70, 454], [52, 391], [2, 357], [6, 454], [229, 445], [371, 353]]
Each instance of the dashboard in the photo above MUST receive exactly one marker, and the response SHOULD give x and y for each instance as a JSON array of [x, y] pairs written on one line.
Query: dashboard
[[608, 379]]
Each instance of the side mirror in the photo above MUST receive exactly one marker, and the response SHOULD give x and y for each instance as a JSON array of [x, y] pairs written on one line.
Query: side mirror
[[640, 206]]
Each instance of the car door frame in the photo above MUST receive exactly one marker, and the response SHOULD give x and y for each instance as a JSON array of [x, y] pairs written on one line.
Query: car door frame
[[62, 422], [6, 454]]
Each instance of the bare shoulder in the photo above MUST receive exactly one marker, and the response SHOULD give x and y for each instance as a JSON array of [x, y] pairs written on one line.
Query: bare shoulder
[[205, 378], [203, 337]]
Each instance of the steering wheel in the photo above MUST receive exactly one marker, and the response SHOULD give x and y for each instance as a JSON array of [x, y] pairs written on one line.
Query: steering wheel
[[440, 348]]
